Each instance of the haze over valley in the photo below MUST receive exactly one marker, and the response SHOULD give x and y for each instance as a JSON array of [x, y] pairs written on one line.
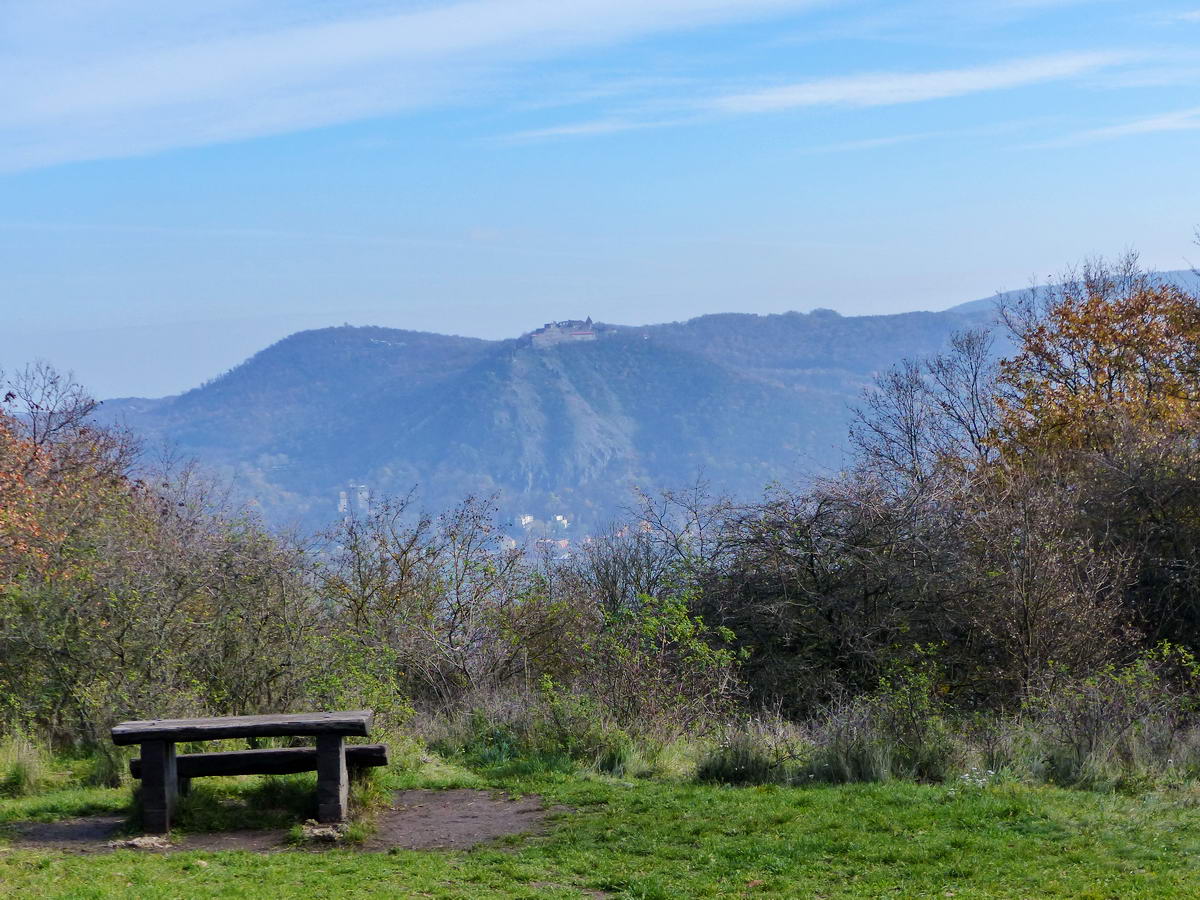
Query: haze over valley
[[563, 431]]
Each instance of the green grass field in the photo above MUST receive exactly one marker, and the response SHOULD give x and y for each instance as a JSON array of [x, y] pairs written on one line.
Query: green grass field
[[658, 839]]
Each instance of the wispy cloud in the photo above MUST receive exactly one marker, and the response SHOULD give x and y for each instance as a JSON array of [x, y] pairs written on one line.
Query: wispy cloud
[[104, 78], [867, 90], [90, 79], [891, 88], [1180, 120], [874, 143], [922, 23], [580, 129]]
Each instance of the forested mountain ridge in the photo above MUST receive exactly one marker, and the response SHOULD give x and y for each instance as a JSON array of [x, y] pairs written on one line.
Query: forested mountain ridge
[[570, 430]]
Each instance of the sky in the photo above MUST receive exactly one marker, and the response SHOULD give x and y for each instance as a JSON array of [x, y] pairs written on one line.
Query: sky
[[183, 183]]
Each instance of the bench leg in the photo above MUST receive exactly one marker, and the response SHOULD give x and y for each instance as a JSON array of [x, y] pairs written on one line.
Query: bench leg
[[159, 785], [185, 786], [333, 783]]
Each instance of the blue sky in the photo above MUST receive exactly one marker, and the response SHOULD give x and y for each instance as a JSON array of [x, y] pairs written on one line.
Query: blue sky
[[182, 183]]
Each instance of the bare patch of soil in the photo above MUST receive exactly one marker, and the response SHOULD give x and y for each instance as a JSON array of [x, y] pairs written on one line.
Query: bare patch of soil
[[417, 820], [265, 840], [453, 820]]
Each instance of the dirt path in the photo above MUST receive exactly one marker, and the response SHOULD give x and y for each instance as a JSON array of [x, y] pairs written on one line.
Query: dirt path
[[417, 820]]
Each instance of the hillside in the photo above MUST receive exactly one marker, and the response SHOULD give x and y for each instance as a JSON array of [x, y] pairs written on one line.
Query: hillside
[[570, 430]]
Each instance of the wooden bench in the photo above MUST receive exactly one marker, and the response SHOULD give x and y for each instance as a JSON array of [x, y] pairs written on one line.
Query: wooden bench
[[164, 774]]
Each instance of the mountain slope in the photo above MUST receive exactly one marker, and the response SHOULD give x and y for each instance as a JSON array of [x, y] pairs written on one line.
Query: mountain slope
[[564, 430], [572, 429]]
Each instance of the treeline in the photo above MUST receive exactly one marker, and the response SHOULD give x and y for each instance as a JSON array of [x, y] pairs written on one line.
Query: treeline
[[130, 588], [1013, 559]]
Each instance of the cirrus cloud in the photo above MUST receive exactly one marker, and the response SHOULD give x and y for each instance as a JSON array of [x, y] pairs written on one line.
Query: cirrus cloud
[[890, 88], [83, 80]]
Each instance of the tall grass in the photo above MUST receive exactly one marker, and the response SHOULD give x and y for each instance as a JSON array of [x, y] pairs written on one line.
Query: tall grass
[[552, 730], [1123, 728], [758, 750], [25, 766]]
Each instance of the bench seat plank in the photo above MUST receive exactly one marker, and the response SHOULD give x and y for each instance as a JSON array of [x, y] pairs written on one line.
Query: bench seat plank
[[356, 723], [285, 761]]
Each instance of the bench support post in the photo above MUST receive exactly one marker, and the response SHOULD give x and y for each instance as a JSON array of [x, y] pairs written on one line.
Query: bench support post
[[333, 782], [159, 785]]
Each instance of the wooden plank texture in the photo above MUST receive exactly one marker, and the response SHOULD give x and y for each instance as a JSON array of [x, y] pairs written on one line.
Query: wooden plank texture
[[356, 722], [266, 762], [159, 787], [333, 780]]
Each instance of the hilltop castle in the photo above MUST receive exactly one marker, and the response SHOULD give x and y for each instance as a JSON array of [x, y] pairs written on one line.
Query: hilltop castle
[[563, 332]]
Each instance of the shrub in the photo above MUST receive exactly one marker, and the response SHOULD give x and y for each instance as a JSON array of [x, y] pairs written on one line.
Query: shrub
[[912, 717], [674, 759], [655, 667], [848, 744], [1120, 725], [899, 731], [1002, 743], [360, 676], [739, 759], [573, 725]]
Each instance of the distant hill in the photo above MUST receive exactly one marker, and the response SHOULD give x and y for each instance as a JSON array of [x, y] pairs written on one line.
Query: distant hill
[[564, 430], [569, 429]]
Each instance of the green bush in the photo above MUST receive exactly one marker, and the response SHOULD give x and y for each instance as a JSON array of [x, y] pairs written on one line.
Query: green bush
[[109, 766], [654, 666]]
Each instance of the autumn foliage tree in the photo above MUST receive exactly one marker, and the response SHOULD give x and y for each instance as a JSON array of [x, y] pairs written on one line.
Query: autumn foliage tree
[[1031, 514], [1105, 392], [131, 592], [20, 531], [1111, 350], [56, 472]]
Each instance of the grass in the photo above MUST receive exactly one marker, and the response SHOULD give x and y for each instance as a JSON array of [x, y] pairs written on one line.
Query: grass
[[659, 839], [227, 804], [64, 804]]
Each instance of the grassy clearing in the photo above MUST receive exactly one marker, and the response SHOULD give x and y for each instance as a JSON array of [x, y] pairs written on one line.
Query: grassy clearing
[[649, 839]]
